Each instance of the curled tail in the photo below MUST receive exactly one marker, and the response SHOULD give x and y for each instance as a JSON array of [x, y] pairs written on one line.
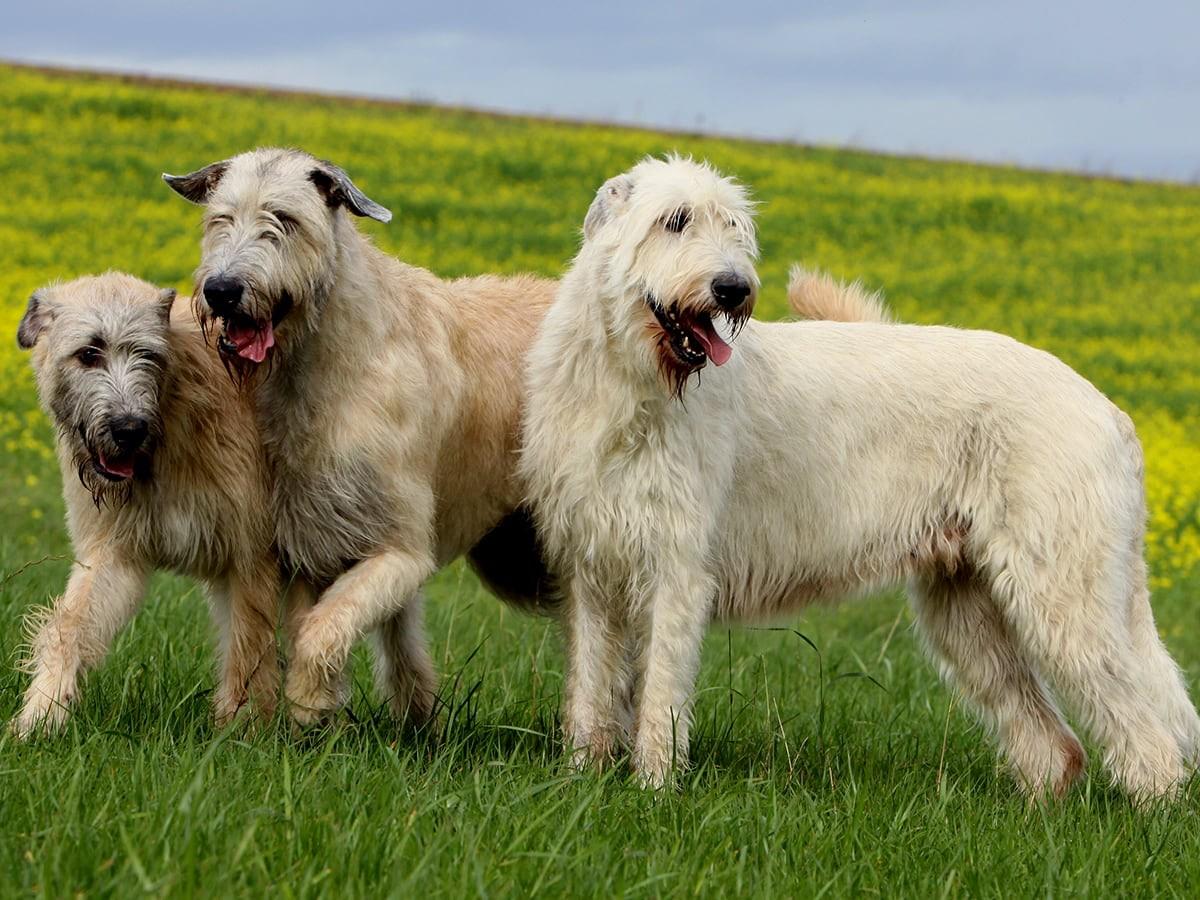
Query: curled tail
[[816, 295]]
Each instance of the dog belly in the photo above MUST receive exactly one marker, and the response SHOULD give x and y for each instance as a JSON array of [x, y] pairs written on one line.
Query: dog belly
[[755, 599]]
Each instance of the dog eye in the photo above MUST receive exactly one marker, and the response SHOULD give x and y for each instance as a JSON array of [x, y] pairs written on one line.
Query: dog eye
[[678, 220], [287, 223], [88, 357]]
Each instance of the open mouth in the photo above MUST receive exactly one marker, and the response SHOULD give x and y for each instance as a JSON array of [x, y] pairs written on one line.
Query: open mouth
[[114, 467], [691, 335], [249, 338]]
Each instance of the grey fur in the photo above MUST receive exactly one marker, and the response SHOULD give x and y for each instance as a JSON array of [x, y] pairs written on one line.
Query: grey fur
[[338, 189], [38, 314], [612, 194], [167, 491], [125, 381]]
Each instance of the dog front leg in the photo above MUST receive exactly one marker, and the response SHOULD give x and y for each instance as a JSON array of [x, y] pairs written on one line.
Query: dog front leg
[[102, 595], [367, 594], [678, 615], [594, 692]]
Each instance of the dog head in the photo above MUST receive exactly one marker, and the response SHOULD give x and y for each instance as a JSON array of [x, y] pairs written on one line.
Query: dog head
[[273, 220], [100, 352], [670, 248]]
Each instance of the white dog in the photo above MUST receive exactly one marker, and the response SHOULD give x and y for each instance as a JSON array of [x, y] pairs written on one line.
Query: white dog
[[822, 459]]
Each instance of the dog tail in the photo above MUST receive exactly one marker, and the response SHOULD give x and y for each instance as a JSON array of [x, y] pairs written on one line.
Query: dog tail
[[815, 295]]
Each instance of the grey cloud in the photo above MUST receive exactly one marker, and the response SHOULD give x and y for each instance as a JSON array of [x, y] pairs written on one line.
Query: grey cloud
[[1105, 85]]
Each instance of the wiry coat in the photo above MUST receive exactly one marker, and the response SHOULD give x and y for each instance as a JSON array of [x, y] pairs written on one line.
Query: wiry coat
[[390, 407], [825, 459], [198, 504]]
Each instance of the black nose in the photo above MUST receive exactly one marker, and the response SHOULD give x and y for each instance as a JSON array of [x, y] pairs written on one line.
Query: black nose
[[730, 291], [223, 293], [128, 432]]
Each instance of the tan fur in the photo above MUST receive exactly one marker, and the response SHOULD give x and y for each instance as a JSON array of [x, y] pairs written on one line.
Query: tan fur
[[816, 295], [449, 456], [202, 511], [390, 407]]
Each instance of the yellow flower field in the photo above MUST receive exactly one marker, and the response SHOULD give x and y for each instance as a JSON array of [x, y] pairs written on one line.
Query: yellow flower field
[[1101, 273]]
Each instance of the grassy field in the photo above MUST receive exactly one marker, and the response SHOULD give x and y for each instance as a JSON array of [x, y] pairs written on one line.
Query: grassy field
[[810, 778]]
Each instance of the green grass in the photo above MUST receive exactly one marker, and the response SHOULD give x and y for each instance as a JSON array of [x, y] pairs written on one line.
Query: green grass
[[809, 778]]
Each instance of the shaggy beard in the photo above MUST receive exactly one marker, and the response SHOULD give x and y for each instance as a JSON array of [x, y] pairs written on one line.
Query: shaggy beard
[[104, 492], [674, 372], [242, 372]]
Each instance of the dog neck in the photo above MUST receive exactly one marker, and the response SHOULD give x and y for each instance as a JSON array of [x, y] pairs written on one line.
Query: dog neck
[[336, 301], [356, 319], [582, 358]]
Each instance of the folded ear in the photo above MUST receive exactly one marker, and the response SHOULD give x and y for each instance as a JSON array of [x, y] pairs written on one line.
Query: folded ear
[[609, 200], [166, 299], [196, 186], [38, 314], [338, 190]]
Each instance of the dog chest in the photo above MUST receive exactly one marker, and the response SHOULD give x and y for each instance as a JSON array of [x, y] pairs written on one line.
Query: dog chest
[[179, 531], [634, 507], [330, 518]]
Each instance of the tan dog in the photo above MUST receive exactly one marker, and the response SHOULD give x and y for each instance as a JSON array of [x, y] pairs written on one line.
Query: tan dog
[[150, 482], [390, 406]]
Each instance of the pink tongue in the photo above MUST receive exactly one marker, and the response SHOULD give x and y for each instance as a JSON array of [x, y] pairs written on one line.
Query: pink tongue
[[714, 346], [251, 343], [122, 468]]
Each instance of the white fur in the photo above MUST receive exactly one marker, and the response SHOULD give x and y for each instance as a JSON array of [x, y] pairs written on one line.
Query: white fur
[[827, 459]]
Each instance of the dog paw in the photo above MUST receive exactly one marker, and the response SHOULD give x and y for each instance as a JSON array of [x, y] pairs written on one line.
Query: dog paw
[[414, 708], [594, 751], [312, 696], [37, 720], [227, 707], [655, 769], [584, 759]]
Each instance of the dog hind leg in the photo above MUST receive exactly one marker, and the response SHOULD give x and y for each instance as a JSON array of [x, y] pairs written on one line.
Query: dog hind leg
[[1162, 675], [1075, 624], [404, 672], [965, 633]]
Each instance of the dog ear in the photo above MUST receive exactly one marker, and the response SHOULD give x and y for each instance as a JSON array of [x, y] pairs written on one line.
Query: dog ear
[[197, 185], [338, 190], [166, 299], [609, 200], [38, 315]]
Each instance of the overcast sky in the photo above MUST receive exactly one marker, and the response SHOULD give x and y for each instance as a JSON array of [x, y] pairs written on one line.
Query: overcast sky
[[1103, 86]]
